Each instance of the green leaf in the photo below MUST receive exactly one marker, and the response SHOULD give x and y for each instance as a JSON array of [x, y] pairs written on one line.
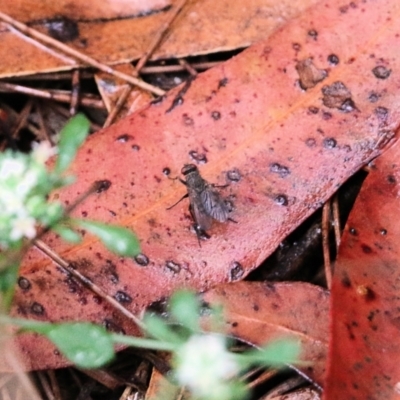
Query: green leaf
[[8, 279], [116, 238], [277, 353], [67, 233], [86, 345], [71, 137], [185, 308], [159, 329]]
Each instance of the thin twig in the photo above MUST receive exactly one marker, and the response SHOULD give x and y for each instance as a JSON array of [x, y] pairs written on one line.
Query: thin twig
[[77, 54], [63, 96], [187, 66], [42, 125], [147, 70], [23, 116], [336, 221], [45, 385], [75, 91], [117, 106], [326, 211], [54, 384], [265, 376], [160, 34]]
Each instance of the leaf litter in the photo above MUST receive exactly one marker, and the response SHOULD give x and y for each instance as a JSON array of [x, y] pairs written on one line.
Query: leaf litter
[[366, 107]]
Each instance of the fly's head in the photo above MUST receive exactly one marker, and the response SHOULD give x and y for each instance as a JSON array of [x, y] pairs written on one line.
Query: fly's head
[[188, 169]]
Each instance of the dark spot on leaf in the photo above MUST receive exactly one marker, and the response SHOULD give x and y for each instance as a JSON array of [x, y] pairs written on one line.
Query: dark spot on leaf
[[337, 96], [366, 292], [329, 143], [111, 326], [313, 34], [326, 116], [381, 72], [158, 306], [233, 175], [24, 283], [382, 113], [102, 186], [158, 100], [200, 158], [37, 309], [313, 110], [62, 28], [122, 297], [309, 74], [187, 120], [350, 331], [296, 46], [279, 169], [391, 179], [333, 59], [236, 271], [124, 138], [216, 115], [347, 106], [310, 142], [366, 249], [282, 200], [346, 280], [223, 82], [173, 266], [373, 97]]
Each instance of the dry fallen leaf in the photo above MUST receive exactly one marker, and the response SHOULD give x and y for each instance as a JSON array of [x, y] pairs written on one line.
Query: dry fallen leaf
[[259, 313], [121, 31], [364, 344], [284, 151]]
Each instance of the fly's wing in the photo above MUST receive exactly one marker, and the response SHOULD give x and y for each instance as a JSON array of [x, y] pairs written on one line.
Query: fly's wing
[[214, 205], [199, 215]]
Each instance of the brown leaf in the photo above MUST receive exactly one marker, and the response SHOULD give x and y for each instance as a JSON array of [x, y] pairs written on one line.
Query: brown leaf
[[247, 118], [365, 345], [259, 313], [121, 31]]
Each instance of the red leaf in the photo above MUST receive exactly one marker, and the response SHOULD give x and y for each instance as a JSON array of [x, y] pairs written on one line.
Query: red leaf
[[258, 313], [291, 149], [365, 341]]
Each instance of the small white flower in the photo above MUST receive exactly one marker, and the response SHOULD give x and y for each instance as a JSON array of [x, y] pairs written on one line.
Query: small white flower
[[23, 226], [11, 167], [28, 181], [10, 202], [204, 364], [42, 151]]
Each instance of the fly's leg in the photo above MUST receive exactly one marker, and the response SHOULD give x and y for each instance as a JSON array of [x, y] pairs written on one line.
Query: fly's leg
[[182, 198]]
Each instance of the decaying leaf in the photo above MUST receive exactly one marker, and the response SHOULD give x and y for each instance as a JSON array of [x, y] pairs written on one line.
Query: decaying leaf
[[121, 31], [364, 344], [258, 313], [247, 123]]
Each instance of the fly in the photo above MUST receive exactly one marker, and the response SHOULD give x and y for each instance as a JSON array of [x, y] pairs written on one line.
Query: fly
[[206, 204]]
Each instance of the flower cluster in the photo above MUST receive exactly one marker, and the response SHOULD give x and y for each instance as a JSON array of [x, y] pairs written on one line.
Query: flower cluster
[[206, 367], [25, 184]]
